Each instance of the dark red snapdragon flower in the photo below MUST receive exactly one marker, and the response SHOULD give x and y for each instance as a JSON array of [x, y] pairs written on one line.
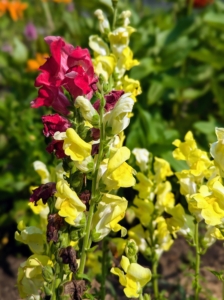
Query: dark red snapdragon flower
[[111, 100], [44, 192], [54, 123], [201, 3], [57, 148]]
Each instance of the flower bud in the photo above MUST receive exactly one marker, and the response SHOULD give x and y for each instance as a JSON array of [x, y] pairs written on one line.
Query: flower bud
[[87, 110], [48, 274], [131, 250], [104, 25]]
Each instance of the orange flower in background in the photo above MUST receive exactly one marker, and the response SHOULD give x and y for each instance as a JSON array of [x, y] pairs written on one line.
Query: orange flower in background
[[15, 8], [63, 1], [3, 7], [34, 64]]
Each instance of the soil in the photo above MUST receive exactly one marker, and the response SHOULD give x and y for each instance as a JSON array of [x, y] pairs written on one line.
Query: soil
[[176, 275]]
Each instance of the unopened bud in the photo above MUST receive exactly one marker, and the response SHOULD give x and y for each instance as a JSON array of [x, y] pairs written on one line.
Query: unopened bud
[[131, 250], [48, 274]]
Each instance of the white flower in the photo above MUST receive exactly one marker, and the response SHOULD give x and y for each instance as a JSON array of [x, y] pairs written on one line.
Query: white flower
[[104, 24], [118, 118], [86, 165], [142, 158], [42, 170], [87, 110]]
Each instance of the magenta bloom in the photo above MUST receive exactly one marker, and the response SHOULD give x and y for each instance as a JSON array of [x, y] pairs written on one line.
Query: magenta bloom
[[53, 123], [67, 67], [111, 100], [52, 96], [53, 70], [44, 192]]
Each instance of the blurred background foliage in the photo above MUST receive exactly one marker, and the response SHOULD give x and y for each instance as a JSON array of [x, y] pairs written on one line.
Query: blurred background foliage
[[180, 49]]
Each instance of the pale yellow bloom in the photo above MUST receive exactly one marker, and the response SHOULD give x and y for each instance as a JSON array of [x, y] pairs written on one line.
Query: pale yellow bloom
[[75, 147], [143, 210], [68, 203], [142, 158], [137, 233], [33, 237], [178, 222], [134, 280], [165, 199], [98, 46], [217, 149], [119, 38], [117, 172], [208, 204], [144, 186], [130, 85], [162, 169], [42, 171], [110, 211], [30, 278]]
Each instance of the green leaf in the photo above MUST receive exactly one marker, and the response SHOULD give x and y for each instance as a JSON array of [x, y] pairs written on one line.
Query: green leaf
[[219, 275], [215, 20], [20, 52], [155, 92]]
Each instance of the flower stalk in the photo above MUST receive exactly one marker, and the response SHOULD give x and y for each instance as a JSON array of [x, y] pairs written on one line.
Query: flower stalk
[[87, 241], [197, 261]]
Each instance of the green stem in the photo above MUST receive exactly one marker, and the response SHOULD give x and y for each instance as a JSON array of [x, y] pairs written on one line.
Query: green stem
[[87, 241], [155, 279], [86, 238], [114, 2], [154, 263], [141, 297], [104, 271], [197, 262], [48, 15]]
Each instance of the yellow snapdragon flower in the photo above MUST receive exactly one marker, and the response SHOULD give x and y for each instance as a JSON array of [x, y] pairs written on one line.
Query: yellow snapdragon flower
[[143, 210], [138, 234], [68, 203], [30, 278], [208, 204], [217, 149], [110, 211], [144, 186], [178, 222], [129, 85], [134, 278], [162, 169], [75, 147], [165, 199], [119, 38], [31, 236], [42, 171], [104, 65], [118, 173]]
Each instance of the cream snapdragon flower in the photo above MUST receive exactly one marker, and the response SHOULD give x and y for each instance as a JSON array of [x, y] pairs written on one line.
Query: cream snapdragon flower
[[134, 277]]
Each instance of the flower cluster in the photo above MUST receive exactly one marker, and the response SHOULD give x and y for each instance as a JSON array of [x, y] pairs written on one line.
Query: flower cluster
[[78, 200], [201, 184], [154, 198]]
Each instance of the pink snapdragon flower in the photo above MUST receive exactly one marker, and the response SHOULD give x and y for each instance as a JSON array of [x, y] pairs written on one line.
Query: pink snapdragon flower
[[67, 67], [52, 96]]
